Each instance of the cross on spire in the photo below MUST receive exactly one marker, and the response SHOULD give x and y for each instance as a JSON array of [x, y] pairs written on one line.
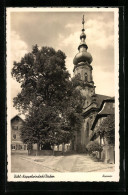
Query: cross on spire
[[83, 21]]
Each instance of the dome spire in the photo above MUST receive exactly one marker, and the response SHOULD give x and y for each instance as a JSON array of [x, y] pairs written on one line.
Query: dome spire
[[83, 37], [83, 55], [83, 21]]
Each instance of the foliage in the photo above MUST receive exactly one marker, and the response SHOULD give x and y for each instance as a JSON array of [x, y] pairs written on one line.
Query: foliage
[[107, 129], [93, 146], [29, 145], [81, 148], [49, 97]]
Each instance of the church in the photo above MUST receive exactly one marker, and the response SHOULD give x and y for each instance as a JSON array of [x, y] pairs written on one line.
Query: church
[[83, 67]]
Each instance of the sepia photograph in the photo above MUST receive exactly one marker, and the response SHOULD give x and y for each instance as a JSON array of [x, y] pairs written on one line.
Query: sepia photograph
[[62, 94]]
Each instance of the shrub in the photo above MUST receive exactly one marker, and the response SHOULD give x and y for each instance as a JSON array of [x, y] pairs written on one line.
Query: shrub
[[107, 129], [94, 146]]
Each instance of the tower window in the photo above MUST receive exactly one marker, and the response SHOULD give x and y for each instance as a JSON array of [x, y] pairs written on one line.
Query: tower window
[[79, 75], [86, 76]]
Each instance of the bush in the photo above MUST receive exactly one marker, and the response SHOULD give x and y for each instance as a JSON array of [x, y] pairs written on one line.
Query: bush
[[107, 129], [94, 146]]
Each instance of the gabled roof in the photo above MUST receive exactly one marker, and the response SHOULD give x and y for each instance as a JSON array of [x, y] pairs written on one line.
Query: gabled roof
[[105, 110], [100, 98], [17, 116]]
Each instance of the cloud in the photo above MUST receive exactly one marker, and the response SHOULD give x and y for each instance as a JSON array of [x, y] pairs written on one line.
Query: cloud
[[104, 82], [69, 65], [18, 47], [15, 89], [100, 34], [69, 44], [72, 25]]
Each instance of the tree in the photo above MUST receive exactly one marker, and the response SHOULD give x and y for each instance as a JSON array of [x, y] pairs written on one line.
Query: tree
[[94, 146], [107, 129], [49, 97]]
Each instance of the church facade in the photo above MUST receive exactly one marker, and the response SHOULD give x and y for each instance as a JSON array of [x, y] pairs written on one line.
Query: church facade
[[83, 67]]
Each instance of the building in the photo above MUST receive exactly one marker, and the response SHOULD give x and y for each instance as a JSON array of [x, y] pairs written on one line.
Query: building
[[83, 67], [16, 143], [107, 109]]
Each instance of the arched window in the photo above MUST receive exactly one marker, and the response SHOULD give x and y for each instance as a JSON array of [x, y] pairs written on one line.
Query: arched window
[[79, 76], [87, 130], [92, 91], [85, 76]]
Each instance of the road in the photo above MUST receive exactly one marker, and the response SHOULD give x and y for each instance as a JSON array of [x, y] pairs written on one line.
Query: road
[[71, 163], [23, 164]]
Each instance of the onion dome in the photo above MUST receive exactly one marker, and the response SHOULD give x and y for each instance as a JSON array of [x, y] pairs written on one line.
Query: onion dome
[[83, 55]]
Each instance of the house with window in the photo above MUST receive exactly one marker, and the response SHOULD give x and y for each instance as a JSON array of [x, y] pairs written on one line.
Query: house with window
[[16, 143]]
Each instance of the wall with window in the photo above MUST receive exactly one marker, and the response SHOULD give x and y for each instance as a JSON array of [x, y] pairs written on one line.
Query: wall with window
[[17, 146], [16, 142], [16, 125], [85, 71]]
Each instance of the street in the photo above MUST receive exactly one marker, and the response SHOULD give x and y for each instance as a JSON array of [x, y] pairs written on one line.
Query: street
[[70, 163]]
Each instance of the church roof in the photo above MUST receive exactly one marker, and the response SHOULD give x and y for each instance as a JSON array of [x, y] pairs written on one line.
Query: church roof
[[105, 109], [100, 98]]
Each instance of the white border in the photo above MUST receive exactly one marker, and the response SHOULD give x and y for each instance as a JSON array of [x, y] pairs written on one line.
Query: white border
[[75, 176]]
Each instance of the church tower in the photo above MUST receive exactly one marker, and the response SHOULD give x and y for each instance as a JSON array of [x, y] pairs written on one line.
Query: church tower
[[82, 66]]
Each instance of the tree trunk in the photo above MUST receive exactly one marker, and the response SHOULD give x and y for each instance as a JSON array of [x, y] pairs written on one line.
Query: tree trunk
[[53, 150], [46, 146], [63, 148], [38, 146], [58, 147]]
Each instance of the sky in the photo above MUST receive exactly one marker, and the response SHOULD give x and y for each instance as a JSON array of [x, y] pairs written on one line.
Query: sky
[[61, 30]]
